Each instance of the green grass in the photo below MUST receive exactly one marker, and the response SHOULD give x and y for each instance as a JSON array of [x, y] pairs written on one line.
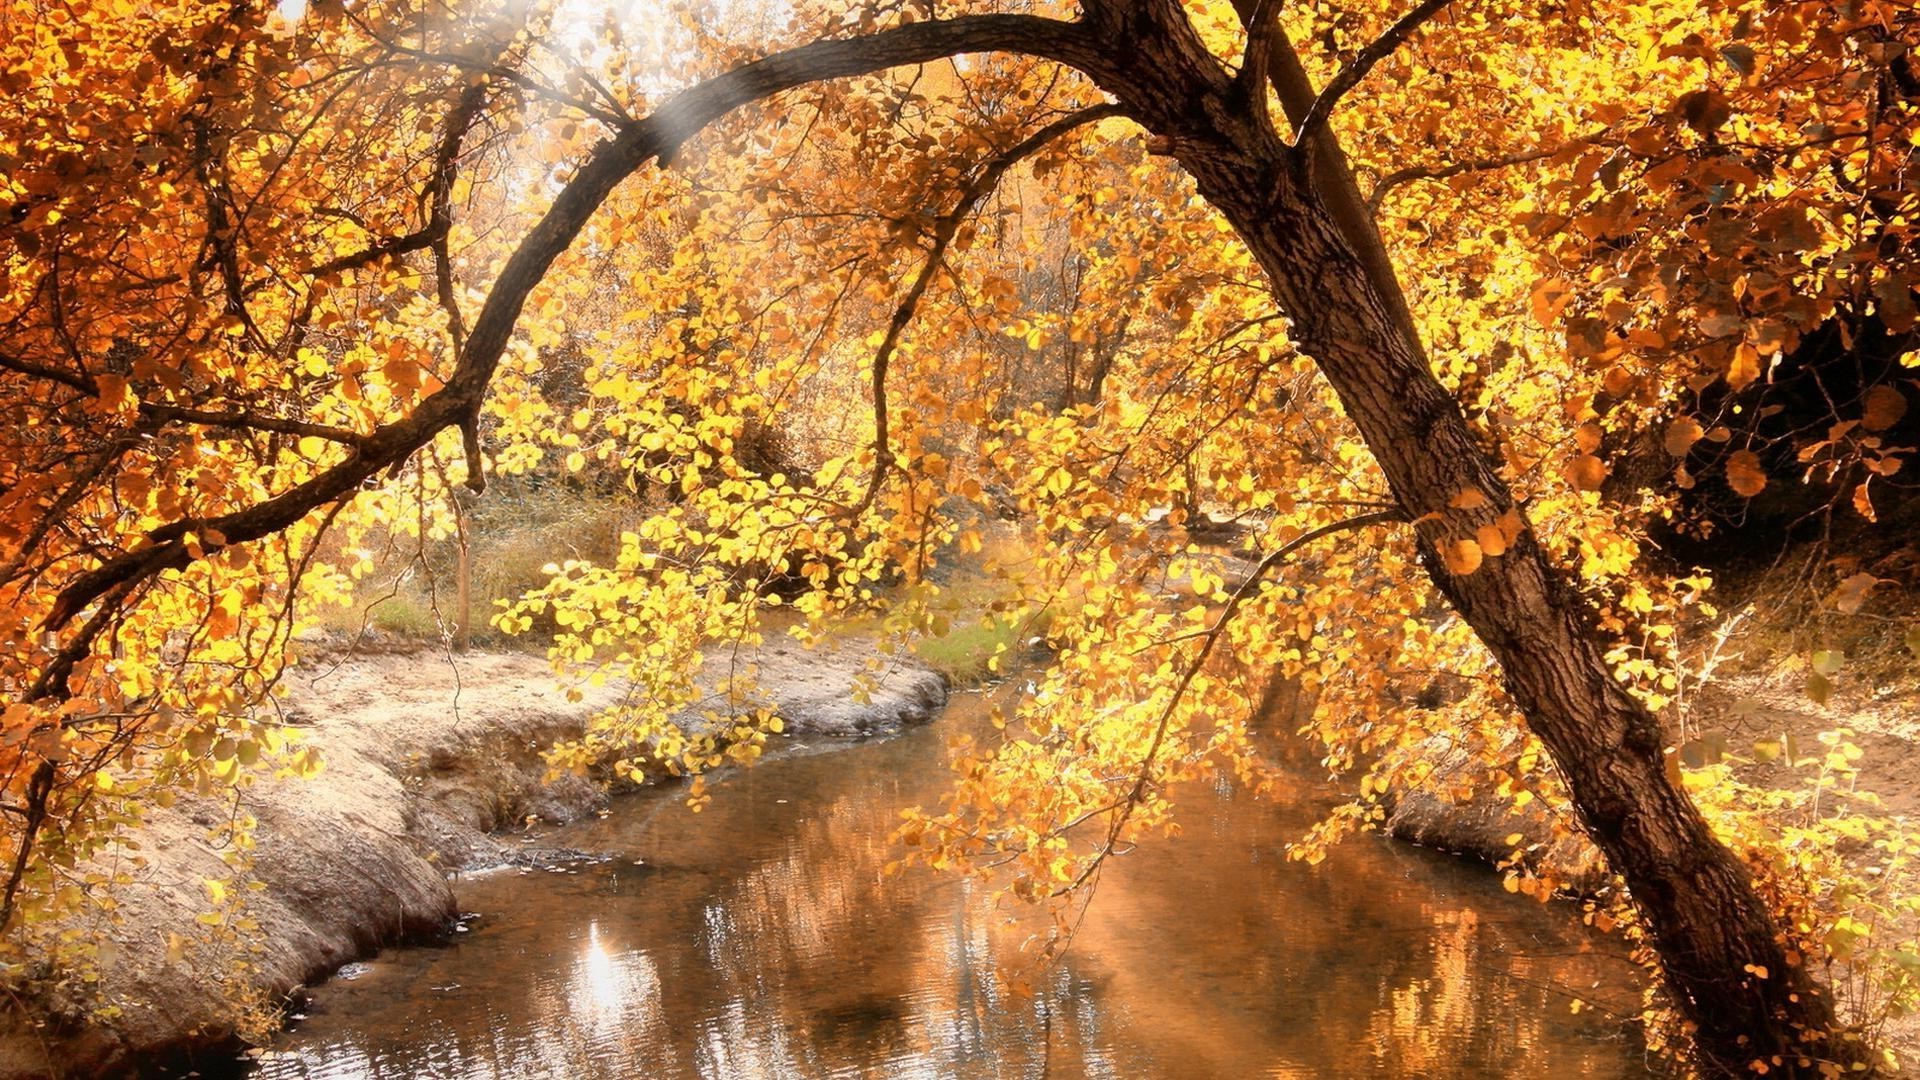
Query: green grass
[[964, 653]]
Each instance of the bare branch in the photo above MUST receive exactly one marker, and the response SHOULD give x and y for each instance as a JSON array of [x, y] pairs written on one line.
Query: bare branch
[[81, 381], [1350, 76], [242, 421], [1413, 173]]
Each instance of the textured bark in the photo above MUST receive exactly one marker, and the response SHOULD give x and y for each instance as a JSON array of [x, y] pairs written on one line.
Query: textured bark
[[1712, 930]]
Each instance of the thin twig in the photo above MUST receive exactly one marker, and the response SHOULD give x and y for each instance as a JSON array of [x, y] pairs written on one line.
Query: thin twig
[[945, 229]]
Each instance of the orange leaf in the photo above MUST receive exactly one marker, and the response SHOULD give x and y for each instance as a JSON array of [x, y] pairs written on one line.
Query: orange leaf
[[1587, 472], [1852, 592], [1863, 503], [1744, 473], [1461, 556], [1882, 407], [1550, 297], [1511, 526], [1682, 434], [1745, 367]]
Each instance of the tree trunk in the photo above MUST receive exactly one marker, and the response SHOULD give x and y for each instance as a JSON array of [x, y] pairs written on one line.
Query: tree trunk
[[1723, 956], [1712, 930]]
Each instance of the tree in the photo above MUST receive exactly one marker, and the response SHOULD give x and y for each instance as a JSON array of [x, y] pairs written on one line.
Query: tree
[[244, 251]]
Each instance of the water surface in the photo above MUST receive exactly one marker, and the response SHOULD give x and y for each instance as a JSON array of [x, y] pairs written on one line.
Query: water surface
[[762, 938]]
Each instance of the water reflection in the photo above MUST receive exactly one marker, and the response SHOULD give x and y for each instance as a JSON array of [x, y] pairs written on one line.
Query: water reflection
[[764, 938]]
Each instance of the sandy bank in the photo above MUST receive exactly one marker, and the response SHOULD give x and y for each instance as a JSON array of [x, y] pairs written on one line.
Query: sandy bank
[[427, 757]]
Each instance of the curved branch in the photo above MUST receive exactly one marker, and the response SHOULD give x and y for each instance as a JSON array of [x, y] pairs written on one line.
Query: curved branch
[[658, 137], [1350, 76], [945, 229], [1138, 791]]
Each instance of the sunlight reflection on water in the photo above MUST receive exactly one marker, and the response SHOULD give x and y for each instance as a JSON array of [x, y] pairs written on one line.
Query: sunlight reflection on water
[[763, 938]]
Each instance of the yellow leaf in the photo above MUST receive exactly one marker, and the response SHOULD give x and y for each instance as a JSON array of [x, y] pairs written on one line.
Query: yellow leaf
[[1492, 540], [1468, 499]]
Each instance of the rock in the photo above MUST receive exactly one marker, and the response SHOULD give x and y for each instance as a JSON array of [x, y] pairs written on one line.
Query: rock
[[1481, 827], [850, 690]]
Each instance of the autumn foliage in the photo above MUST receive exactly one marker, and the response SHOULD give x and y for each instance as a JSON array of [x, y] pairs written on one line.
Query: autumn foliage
[[280, 285]]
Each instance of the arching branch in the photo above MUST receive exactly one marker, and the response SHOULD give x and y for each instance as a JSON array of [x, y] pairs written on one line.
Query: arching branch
[[658, 137], [1125, 807]]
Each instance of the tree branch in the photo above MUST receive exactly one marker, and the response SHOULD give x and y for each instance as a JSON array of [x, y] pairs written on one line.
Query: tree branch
[[249, 422], [81, 382], [1412, 173], [658, 137], [1357, 69], [1263, 27], [1212, 638]]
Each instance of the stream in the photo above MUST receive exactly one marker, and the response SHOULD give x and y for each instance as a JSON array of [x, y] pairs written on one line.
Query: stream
[[762, 938]]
